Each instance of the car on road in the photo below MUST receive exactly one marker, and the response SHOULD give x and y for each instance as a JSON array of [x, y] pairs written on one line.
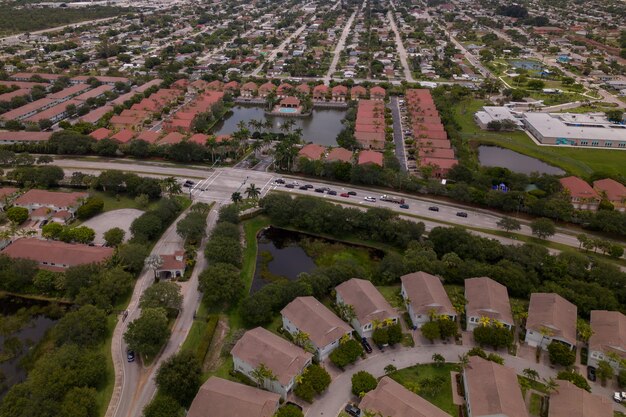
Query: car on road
[[295, 183], [303, 187], [461, 214], [433, 208], [189, 182], [130, 356], [280, 181], [331, 192], [346, 195], [366, 345], [319, 190], [370, 199], [591, 373], [290, 186], [351, 192], [404, 206], [308, 186], [352, 410]]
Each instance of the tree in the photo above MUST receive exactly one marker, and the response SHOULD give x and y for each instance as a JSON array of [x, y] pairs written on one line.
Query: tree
[[605, 371], [543, 228], [221, 284], [17, 215], [509, 224], [131, 256], [362, 383], [147, 227], [347, 353], [314, 380], [531, 374], [223, 250], [52, 230], [289, 410], [253, 192], [536, 84], [261, 374], [79, 402], [438, 359], [584, 330], [615, 115], [85, 327], [430, 331], [142, 201], [114, 236], [149, 332], [163, 294], [192, 227], [180, 377], [575, 378], [163, 406], [560, 354], [380, 336], [389, 369], [621, 378], [154, 262]]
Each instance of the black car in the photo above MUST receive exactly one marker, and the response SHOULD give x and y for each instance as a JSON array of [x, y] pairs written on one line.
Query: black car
[[309, 186], [319, 190], [461, 214], [366, 345], [591, 373], [290, 186], [130, 356], [280, 181], [353, 410], [331, 192], [351, 192], [404, 206], [189, 182], [304, 187], [433, 208]]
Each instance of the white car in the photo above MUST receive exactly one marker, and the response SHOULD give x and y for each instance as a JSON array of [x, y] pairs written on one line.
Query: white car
[[370, 199], [619, 397]]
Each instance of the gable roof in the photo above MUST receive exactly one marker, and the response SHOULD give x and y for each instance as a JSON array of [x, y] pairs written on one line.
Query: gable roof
[[609, 332], [59, 253], [259, 346], [492, 389], [426, 293], [370, 157], [553, 312], [570, 401], [50, 198], [488, 298], [392, 399], [369, 304], [312, 151], [227, 399], [123, 135], [314, 318], [339, 154], [613, 190], [578, 187], [100, 133]]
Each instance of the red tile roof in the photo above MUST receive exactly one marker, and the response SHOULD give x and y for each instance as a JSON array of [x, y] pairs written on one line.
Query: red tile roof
[[613, 190], [123, 135], [171, 138], [50, 198], [101, 133], [370, 157], [148, 136], [56, 255], [577, 187], [339, 154], [312, 151]]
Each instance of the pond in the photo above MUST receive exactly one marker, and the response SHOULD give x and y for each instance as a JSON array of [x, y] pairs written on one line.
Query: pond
[[23, 324], [494, 156], [284, 254], [526, 64], [321, 127]]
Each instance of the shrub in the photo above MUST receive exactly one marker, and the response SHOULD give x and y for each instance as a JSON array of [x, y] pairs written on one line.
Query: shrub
[[92, 206], [561, 354], [17, 215], [575, 378], [362, 383], [346, 353]]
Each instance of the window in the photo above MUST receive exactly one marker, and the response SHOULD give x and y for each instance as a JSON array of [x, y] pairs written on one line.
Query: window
[[594, 143], [622, 145], [584, 142], [608, 144]]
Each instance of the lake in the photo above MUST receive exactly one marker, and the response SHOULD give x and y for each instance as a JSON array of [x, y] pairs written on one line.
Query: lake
[[321, 127], [23, 324], [494, 156]]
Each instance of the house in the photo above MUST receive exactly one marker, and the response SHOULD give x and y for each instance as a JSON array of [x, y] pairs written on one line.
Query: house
[[123, 136], [53, 200], [231, 87], [56, 256], [570, 401], [312, 151], [259, 347], [613, 191], [367, 157], [323, 327], [266, 89], [425, 296], [320, 92], [6, 195], [339, 155], [10, 137], [303, 89], [608, 338], [582, 196], [284, 90], [101, 133], [377, 93], [550, 317], [371, 310], [492, 390], [339, 93], [227, 399], [358, 92], [249, 89], [148, 136], [489, 299], [173, 265], [392, 399], [290, 102], [171, 138]]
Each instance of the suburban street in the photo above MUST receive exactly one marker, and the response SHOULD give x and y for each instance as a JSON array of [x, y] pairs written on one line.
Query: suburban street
[[398, 138], [340, 46], [401, 50]]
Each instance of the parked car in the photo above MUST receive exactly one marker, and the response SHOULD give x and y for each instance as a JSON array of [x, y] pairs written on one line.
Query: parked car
[[290, 186], [370, 199], [353, 410], [351, 192], [433, 208], [280, 181], [304, 187], [345, 195], [618, 397], [189, 182], [591, 373], [461, 214], [43, 223], [404, 206], [331, 192], [130, 356], [366, 345]]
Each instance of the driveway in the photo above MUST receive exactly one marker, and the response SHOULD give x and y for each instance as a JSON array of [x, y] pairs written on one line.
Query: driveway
[[121, 218], [397, 133]]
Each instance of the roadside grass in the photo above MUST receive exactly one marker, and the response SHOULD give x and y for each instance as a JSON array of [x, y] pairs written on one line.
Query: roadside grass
[[412, 376], [578, 161], [112, 202]]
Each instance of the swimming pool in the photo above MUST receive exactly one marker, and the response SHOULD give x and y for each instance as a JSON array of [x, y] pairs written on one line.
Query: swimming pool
[[287, 110]]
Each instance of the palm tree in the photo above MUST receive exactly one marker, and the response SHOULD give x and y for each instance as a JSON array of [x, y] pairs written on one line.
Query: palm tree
[[236, 197], [262, 373], [551, 384], [464, 360], [171, 186], [253, 192]]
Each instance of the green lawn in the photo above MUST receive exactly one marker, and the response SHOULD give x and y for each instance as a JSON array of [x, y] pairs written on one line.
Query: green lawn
[[578, 161], [535, 405], [112, 202], [392, 295], [411, 377]]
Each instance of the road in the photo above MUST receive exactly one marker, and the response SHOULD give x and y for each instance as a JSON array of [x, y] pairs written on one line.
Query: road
[[401, 50], [398, 138], [469, 56], [15, 38], [340, 46], [134, 383]]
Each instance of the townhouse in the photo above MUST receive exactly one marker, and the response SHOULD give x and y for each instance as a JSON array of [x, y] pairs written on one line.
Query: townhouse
[[608, 338], [613, 191], [550, 318], [425, 297], [570, 401], [487, 300], [582, 195], [55, 201]]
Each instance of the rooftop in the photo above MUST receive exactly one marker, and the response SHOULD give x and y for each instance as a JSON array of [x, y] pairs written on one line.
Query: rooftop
[[369, 304], [392, 399], [487, 298], [426, 293], [56, 255], [552, 312]]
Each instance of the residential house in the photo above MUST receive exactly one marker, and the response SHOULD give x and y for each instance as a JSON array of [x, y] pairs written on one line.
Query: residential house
[[492, 390], [425, 297], [389, 398], [608, 338], [320, 92], [570, 401], [371, 310], [101, 133], [226, 398], [377, 93], [312, 151], [56, 256], [303, 89], [261, 348], [53, 200], [148, 136], [339, 93], [550, 318], [266, 89], [613, 191], [322, 327], [284, 90], [231, 87], [173, 265], [123, 136], [582, 196], [249, 89], [6, 195], [339, 155], [358, 92], [486, 299], [11, 138], [368, 157]]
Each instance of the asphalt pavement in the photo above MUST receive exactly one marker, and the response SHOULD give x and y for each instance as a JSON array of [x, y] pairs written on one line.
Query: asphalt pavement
[[398, 138]]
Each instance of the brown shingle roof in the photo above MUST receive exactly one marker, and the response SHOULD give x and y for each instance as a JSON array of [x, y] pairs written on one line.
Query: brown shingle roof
[[50, 198], [570, 401], [609, 332], [260, 346], [392, 399], [426, 293], [60, 254], [369, 304], [228, 399], [492, 389], [553, 312], [487, 298], [312, 317]]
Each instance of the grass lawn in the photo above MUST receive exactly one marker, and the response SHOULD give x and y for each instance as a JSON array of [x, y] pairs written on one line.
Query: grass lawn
[[112, 202], [535, 405], [578, 161], [392, 295], [197, 328], [409, 377]]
